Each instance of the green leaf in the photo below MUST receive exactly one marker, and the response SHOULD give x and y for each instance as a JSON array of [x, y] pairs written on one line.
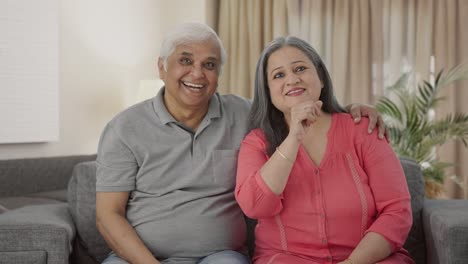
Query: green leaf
[[411, 131]]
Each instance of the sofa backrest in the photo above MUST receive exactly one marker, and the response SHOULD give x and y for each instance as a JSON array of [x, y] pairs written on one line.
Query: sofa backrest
[[415, 243], [82, 203], [33, 175]]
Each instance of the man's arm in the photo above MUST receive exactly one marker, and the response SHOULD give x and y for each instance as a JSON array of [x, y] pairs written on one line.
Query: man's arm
[[117, 231], [375, 118]]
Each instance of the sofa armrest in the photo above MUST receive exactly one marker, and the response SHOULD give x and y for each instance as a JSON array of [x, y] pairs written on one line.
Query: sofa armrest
[[446, 231], [43, 231]]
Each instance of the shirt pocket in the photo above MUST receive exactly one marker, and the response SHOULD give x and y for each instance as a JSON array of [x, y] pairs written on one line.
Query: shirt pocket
[[225, 167]]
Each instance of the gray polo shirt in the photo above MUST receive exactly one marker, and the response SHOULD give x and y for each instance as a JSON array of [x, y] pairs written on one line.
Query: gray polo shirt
[[181, 183]]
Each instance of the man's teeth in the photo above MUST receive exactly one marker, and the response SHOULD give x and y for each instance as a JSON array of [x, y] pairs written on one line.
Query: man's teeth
[[193, 85]]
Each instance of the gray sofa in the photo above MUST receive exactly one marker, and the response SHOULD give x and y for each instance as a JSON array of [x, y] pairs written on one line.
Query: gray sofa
[[47, 215]]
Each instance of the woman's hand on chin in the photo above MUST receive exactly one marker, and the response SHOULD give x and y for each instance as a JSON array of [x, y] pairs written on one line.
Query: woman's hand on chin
[[303, 115]]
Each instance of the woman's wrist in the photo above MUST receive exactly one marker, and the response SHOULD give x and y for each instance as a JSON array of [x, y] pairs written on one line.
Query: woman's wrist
[[287, 150], [292, 138], [284, 156]]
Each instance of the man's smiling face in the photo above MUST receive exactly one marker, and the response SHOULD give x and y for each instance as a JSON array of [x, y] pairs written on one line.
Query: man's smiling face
[[191, 78]]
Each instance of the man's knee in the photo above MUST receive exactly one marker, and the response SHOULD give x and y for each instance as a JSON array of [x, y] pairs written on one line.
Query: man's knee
[[113, 259]]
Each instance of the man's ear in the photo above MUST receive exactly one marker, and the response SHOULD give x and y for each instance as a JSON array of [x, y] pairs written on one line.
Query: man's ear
[[161, 70]]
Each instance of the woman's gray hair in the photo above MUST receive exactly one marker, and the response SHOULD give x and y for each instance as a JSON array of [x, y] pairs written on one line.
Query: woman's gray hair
[[264, 114], [188, 33]]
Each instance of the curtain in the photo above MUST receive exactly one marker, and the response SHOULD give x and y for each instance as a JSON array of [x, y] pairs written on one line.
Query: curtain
[[245, 27], [416, 32], [450, 46], [341, 32]]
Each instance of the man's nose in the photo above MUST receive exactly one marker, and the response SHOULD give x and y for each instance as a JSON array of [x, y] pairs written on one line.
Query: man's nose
[[197, 71]]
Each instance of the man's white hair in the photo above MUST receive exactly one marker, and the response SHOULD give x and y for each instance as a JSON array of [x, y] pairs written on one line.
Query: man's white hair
[[188, 33]]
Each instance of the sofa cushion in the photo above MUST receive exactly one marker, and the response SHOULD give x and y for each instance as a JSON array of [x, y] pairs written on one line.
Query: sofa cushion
[[445, 222], [82, 206]]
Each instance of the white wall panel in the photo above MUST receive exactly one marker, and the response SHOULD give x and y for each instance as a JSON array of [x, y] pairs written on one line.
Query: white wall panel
[[29, 48]]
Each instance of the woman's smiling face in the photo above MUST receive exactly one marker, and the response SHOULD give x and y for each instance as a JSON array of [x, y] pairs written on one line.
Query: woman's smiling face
[[292, 78]]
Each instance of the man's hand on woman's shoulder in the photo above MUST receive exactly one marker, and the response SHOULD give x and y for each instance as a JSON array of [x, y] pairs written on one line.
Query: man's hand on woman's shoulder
[[375, 118]]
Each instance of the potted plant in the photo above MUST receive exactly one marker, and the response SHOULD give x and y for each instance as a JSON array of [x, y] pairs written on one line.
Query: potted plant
[[414, 132]]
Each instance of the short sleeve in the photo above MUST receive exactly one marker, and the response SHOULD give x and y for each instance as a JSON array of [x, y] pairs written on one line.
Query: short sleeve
[[116, 164]]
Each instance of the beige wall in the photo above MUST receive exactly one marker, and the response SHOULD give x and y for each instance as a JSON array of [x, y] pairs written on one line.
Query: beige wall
[[106, 48]]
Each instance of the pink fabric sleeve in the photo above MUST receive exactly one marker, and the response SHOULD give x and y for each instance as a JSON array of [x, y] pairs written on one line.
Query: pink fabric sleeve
[[389, 188], [254, 197]]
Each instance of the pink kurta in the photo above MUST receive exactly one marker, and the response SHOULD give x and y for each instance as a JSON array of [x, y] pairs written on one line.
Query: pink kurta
[[325, 210]]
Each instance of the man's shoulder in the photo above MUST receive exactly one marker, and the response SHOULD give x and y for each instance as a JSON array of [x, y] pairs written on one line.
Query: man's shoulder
[[132, 113]]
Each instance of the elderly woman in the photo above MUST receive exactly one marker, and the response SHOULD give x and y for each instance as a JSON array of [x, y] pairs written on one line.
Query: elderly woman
[[323, 189]]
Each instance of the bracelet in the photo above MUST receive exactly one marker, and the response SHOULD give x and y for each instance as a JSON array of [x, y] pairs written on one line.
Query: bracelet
[[283, 156]]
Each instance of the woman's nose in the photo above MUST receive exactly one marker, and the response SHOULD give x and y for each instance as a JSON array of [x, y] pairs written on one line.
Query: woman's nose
[[293, 79]]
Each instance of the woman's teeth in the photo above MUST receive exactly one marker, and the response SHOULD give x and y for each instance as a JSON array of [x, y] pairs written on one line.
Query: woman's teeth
[[295, 91]]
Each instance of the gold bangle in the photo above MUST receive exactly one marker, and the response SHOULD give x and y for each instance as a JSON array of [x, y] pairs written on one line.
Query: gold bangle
[[283, 156]]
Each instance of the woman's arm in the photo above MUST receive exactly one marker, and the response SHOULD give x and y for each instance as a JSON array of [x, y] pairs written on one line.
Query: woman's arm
[[392, 200], [372, 248], [301, 118], [276, 170], [253, 195], [261, 180]]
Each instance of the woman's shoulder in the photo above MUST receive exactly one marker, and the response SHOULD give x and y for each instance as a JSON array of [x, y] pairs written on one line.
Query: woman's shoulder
[[256, 137], [346, 127], [256, 134]]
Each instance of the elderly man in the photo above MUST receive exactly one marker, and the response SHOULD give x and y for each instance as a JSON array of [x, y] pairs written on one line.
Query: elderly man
[[166, 166]]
